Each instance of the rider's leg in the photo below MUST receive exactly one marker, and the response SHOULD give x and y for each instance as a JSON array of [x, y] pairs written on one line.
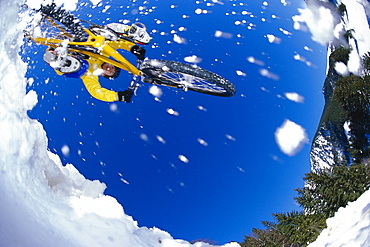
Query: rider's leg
[[65, 64]]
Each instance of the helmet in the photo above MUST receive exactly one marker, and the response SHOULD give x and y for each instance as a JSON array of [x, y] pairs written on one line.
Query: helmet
[[138, 32]]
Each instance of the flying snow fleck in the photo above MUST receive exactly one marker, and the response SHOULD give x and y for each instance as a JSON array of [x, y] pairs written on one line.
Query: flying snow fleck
[[302, 59], [273, 39], [160, 139], [255, 61], [202, 142], [183, 158], [113, 107], [202, 108], [172, 112], [240, 73], [230, 137], [285, 31], [299, 58], [30, 81], [65, 150], [294, 97], [307, 48], [268, 74], [144, 137], [106, 8], [179, 39], [240, 169], [221, 34], [155, 91], [290, 137], [122, 179], [199, 11], [193, 59], [341, 68], [125, 181]]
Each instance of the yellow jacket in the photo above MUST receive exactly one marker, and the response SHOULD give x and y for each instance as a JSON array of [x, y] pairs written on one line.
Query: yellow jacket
[[91, 82]]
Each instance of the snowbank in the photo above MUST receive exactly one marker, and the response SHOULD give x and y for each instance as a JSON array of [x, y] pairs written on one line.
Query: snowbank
[[44, 203], [349, 227]]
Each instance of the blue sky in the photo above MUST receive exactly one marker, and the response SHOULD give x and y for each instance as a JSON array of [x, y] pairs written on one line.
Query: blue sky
[[240, 176]]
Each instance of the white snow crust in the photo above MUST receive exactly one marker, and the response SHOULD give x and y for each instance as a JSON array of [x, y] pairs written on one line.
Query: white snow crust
[[43, 202]]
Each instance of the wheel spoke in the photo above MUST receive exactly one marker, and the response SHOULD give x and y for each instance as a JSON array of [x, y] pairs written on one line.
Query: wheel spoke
[[190, 81]]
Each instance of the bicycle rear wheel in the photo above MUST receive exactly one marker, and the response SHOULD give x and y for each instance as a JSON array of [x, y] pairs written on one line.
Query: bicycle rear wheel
[[187, 77], [68, 25]]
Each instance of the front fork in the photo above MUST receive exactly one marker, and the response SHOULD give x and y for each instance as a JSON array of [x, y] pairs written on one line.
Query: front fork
[[136, 79]]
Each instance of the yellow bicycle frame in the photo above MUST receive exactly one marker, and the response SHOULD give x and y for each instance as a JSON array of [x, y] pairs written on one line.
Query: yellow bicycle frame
[[108, 49]]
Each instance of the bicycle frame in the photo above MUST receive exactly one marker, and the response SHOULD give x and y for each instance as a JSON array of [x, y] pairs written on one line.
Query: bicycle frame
[[107, 49]]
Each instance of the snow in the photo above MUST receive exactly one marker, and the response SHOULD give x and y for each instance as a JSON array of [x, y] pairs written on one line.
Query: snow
[[341, 68], [350, 226], [319, 20], [193, 59], [46, 203], [290, 137], [295, 97], [43, 202]]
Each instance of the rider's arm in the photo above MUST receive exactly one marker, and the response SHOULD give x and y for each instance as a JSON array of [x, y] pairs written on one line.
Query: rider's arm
[[93, 86]]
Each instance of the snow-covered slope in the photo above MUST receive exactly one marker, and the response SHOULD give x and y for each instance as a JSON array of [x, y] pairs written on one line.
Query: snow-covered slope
[[44, 203], [349, 227]]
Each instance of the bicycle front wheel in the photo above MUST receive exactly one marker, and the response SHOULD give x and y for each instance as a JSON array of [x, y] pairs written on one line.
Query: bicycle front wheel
[[187, 77]]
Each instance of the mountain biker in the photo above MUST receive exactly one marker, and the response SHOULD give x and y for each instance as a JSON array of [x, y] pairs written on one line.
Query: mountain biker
[[88, 69], [74, 66]]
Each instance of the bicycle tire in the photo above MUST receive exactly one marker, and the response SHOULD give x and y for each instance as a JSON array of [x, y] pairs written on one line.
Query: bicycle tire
[[186, 77], [69, 22]]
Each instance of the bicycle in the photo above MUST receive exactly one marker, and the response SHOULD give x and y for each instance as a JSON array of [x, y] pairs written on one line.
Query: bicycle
[[101, 42]]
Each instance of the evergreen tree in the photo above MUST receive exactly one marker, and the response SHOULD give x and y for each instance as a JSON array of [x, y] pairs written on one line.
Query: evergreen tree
[[342, 9], [289, 229], [341, 54], [328, 190], [366, 63], [324, 193], [353, 94], [271, 237], [301, 228]]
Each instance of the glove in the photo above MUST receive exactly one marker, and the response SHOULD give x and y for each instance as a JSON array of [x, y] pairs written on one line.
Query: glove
[[125, 96], [138, 51]]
